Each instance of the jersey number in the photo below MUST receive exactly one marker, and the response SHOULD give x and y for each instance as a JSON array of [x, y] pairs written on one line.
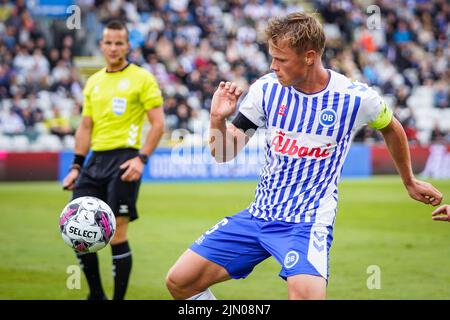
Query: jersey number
[[221, 223]]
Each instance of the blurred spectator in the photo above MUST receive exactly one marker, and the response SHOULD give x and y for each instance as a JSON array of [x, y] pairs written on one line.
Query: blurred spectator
[[408, 122], [53, 57], [183, 116], [401, 96], [158, 69], [5, 80], [31, 115], [170, 109], [6, 10], [438, 135], [441, 95], [40, 67], [402, 33], [12, 123], [366, 41], [59, 125], [406, 117], [75, 117], [23, 64]]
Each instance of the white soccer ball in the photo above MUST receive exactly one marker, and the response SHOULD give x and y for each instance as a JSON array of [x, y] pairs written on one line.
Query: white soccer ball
[[87, 224]]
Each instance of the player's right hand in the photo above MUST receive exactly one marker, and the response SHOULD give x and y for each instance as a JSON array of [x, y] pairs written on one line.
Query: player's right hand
[[424, 192], [69, 180], [442, 213], [224, 100]]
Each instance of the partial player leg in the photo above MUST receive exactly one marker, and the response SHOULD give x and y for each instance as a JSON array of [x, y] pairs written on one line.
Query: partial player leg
[[306, 287], [192, 275], [229, 249], [122, 197], [89, 264], [89, 261], [303, 251], [121, 258]]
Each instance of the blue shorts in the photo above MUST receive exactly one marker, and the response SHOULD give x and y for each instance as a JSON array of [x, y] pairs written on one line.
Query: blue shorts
[[238, 243]]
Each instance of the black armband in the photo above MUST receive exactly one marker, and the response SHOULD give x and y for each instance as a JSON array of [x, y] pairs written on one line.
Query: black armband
[[243, 123]]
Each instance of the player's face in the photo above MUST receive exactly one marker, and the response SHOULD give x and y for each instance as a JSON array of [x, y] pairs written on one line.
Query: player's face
[[114, 46], [289, 66]]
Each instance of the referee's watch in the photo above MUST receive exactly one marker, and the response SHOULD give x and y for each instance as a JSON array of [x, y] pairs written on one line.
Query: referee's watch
[[143, 157]]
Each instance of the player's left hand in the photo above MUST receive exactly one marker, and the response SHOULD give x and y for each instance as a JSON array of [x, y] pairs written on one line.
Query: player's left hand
[[424, 192], [134, 168], [442, 213]]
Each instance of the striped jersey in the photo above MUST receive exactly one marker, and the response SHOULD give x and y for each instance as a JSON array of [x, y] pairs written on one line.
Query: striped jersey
[[307, 139]]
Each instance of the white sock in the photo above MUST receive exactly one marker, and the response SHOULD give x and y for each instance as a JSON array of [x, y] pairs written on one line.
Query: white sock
[[204, 295]]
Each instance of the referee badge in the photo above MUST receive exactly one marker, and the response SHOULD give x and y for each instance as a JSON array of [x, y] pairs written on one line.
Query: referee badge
[[119, 105]]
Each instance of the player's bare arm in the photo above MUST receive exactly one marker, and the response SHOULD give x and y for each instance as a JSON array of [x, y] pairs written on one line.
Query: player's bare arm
[[135, 166], [82, 145], [397, 143], [225, 142], [442, 213]]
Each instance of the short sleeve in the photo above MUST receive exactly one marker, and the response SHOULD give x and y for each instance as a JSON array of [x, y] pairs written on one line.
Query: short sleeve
[[87, 106], [251, 106], [375, 111], [150, 95]]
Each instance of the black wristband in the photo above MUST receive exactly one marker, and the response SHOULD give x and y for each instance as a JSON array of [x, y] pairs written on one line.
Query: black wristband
[[143, 157], [78, 160]]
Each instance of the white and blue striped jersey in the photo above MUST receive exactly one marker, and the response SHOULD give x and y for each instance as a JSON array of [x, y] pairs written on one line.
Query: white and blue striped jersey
[[307, 139]]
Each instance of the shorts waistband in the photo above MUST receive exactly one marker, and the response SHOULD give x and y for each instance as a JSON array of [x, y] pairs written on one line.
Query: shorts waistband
[[115, 152]]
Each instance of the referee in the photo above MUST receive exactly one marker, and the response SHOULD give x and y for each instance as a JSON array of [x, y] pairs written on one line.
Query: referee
[[116, 100]]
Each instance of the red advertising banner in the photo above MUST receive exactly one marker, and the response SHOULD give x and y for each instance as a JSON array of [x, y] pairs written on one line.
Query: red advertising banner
[[382, 162], [29, 166]]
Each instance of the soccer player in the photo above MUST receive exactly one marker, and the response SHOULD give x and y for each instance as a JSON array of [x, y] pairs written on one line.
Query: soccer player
[[116, 100], [442, 213], [310, 115]]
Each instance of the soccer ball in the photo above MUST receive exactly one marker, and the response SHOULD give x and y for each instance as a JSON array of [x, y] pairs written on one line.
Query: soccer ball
[[87, 224]]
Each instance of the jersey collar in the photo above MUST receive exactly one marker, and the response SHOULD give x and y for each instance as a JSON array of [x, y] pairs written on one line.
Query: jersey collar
[[120, 70]]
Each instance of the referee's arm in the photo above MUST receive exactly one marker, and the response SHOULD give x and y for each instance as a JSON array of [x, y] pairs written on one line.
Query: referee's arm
[[83, 136], [156, 118], [82, 145], [134, 167]]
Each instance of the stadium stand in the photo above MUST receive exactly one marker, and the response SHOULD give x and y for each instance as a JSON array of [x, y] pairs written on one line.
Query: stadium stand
[[190, 45]]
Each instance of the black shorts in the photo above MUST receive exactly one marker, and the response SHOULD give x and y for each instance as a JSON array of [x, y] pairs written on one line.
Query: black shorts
[[100, 178]]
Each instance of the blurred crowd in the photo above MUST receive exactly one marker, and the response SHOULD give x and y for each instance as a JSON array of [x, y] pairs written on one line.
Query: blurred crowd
[[398, 47]]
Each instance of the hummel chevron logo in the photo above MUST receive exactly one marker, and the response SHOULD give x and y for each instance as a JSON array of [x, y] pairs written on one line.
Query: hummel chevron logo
[[320, 238], [355, 85], [132, 134], [319, 248]]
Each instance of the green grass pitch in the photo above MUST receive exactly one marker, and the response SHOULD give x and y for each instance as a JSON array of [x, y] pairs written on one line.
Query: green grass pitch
[[377, 225]]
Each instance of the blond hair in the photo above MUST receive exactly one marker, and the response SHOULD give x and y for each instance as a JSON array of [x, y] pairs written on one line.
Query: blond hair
[[301, 30]]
